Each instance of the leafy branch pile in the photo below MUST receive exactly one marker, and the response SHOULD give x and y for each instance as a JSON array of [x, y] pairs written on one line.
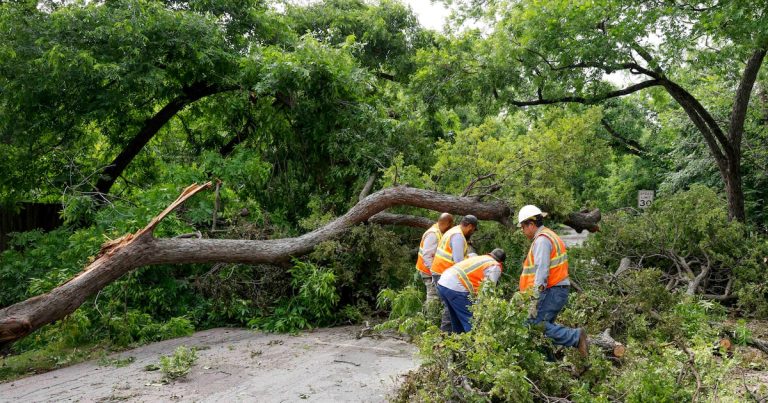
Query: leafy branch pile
[[673, 339]]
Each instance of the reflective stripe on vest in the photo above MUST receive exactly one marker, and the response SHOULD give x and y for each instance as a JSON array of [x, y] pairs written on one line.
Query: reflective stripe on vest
[[444, 254], [434, 229], [471, 271], [558, 262]]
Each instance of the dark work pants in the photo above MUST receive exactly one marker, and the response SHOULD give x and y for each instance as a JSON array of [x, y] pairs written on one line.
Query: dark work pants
[[458, 304]]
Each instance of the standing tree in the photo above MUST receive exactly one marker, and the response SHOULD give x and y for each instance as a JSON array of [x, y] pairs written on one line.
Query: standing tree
[[541, 53]]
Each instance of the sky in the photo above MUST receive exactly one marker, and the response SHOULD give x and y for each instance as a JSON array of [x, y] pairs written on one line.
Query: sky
[[431, 15]]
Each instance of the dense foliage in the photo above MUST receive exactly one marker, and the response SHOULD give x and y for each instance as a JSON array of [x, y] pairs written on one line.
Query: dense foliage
[[109, 108], [671, 337]]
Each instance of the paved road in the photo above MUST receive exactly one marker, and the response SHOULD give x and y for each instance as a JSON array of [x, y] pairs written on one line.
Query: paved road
[[572, 238], [237, 365]]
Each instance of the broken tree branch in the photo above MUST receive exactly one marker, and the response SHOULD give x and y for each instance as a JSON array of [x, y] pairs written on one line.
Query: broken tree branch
[[584, 220], [474, 182], [131, 251], [115, 258], [367, 187]]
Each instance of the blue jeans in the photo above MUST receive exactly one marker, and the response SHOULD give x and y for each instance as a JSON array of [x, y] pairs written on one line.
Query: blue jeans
[[551, 302], [458, 304], [445, 319]]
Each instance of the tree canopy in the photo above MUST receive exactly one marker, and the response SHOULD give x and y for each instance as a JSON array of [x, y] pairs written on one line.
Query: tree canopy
[[309, 117]]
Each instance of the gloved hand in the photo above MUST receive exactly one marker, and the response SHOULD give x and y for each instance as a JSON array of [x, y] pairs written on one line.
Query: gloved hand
[[533, 308]]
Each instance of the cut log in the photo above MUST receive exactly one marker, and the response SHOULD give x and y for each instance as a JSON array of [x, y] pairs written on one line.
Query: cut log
[[131, 251], [728, 345], [607, 344], [724, 344], [584, 220]]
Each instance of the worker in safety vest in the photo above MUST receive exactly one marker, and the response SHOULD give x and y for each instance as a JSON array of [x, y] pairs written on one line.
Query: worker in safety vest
[[427, 248], [452, 249], [545, 270], [465, 278]]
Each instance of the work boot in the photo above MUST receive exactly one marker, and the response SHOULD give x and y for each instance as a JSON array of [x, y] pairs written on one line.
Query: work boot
[[583, 346]]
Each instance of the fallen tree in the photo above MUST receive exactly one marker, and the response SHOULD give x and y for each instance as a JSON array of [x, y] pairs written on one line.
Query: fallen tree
[[131, 251]]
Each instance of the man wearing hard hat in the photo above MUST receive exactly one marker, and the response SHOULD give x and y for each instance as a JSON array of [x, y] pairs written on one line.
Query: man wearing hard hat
[[465, 278], [545, 269]]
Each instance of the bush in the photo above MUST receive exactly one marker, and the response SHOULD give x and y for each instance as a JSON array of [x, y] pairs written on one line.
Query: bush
[[137, 327], [401, 304], [683, 235], [177, 365], [364, 260], [313, 301], [669, 338], [407, 312]]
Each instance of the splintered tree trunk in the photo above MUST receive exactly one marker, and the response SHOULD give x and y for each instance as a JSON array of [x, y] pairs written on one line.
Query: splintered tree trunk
[[120, 256], [584, 220]]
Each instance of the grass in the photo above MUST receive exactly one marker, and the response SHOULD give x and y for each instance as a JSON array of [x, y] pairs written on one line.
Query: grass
[[46, 359], [115, 362]]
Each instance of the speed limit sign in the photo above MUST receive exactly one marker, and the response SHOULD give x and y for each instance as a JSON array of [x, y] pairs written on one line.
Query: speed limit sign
[[644, 198]]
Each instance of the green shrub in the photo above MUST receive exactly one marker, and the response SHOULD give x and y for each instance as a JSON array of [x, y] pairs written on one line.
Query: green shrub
[[37, 261], [681, 235], [407, 312], [401, 304], [313, 301], [178, 364], [364, 260], [136, 327]]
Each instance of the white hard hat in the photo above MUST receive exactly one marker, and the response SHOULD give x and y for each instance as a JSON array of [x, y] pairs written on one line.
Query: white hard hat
[[527, 212]]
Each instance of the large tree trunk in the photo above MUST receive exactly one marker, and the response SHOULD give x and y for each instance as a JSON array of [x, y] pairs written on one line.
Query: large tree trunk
[[120, 256], [734, 189]]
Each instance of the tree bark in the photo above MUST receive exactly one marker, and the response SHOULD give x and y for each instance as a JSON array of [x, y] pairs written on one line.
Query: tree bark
[[120, 256], [584, 220], [385, 218], [607, 343]]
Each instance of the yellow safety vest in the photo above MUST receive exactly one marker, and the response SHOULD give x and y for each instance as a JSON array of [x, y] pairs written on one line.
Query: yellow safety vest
[[558, 262], [435, 229], [444, 254], [471, 271]]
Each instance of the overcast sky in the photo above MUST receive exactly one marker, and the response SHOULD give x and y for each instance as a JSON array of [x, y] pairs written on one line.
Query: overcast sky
[[431, 15]]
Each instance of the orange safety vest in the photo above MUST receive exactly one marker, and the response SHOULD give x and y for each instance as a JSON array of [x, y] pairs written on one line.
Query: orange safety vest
[[444, 253], [471, 271], [558, 262], [420, 260]]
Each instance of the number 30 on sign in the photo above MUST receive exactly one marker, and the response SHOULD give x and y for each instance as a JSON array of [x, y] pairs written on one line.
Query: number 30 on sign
[[644, 198]]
